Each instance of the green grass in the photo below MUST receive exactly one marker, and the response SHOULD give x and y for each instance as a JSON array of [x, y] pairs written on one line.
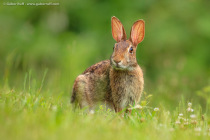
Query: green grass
[[34, 114], [67, 39]]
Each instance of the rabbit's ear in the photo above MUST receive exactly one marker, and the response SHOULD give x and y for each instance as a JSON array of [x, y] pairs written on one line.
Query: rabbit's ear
[[137, 32], [118, 31]]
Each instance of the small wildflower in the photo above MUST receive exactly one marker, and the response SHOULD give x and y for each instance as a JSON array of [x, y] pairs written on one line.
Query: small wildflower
[[54, 108], [181, 115], [198, 134], [186, 123], [197, 129], [193, 122], [161, 125], [189, 104], [171, 129], [177, 122], [156, 109], [138, 107], [193, 116], [192, 110], [186, 120], [135, 107], [91, 112], [188, 109]]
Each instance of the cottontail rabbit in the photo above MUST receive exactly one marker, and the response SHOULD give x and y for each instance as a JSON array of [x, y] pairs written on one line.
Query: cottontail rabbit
[[117, 82]]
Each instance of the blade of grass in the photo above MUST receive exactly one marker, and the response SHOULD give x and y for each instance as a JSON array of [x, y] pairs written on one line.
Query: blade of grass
[[45, 73]]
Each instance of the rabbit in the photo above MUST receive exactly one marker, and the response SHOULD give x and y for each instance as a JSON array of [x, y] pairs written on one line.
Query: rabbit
[[117, 82]]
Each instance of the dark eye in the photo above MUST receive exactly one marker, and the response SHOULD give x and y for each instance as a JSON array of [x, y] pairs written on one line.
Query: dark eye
[[131, 50]]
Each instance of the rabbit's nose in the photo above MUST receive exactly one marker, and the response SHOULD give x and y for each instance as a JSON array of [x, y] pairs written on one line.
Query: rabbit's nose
[[117, 61]]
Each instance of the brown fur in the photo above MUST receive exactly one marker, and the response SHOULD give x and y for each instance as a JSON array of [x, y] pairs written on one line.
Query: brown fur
[[117, 82], [127, 87]]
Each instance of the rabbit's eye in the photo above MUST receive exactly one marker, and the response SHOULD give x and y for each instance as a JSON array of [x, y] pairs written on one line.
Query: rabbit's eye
[[131, 50]]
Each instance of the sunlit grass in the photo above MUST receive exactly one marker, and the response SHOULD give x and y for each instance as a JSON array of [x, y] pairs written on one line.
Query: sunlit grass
[[32, 114]]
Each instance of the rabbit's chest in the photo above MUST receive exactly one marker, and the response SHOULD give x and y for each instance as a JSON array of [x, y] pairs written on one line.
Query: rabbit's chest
[[126, 89], [129, 95]]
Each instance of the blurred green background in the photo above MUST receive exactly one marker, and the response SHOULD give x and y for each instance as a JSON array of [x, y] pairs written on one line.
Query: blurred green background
[[66, 39]]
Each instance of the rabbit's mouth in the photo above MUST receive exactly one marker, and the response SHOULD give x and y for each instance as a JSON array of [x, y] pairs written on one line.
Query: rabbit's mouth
[[118, 66]]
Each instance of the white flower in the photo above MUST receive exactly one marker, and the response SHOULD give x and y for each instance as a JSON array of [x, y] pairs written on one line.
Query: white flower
[[177, 122], [135, 107], [180, 115], [189, 104], [186, 123], [91, 112], [193, 116], [54, 108], [156, 109], [191, 110], [188, 109], [138, 107], [198, 129]]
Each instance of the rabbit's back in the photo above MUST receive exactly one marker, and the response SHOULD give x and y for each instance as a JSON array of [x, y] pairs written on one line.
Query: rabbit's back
[[98, 68], [93, 86]]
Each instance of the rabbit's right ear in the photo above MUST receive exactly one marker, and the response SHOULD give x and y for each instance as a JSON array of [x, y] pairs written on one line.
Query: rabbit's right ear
[[118, 31]]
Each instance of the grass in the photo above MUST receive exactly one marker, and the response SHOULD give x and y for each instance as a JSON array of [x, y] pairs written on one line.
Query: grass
[[68, 39], [36, 114]]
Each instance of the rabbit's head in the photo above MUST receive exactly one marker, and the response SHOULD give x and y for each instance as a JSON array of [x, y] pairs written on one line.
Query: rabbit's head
[[124, 52]]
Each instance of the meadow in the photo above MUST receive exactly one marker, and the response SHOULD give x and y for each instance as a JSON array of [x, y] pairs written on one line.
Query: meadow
[[31, 114], [44, 48]]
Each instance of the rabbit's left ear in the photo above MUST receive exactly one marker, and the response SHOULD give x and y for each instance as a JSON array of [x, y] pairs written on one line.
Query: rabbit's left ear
[[118, 31], [137, 32]]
